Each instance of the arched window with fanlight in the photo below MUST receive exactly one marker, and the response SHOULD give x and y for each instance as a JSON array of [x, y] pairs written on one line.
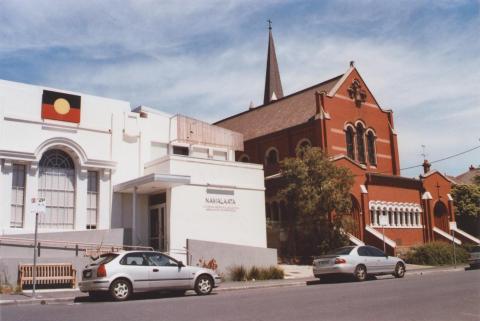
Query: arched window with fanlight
[[361, 143], [244, 158], [57, 185], [301, 146], [372, 155], [350, 141], [271, 156]]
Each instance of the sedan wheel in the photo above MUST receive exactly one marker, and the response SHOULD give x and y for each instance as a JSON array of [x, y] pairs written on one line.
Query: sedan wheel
[[360, 273], [399, 270], [203, 285], [120, 290]]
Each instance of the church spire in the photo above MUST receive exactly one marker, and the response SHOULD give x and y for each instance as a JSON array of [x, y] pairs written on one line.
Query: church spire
[[273, 84]]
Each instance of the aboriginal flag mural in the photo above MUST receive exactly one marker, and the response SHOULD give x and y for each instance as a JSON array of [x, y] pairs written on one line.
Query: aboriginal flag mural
[[60, 106]]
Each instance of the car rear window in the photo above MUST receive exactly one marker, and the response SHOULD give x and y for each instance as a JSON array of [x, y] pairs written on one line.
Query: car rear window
[[104, 259], [342, 250]]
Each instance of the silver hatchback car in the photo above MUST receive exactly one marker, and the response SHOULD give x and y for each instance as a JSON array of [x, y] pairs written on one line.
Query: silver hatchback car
[[359, 262], [124, 273]]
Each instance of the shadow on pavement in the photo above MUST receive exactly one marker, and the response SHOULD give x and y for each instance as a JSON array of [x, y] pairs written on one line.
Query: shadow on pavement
[[338, 279], [104, 297]]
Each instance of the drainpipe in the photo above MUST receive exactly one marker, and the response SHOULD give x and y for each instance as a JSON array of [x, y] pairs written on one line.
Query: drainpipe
[[134, 214]]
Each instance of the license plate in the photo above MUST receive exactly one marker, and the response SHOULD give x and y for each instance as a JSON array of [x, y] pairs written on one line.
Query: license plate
[[324, 262]]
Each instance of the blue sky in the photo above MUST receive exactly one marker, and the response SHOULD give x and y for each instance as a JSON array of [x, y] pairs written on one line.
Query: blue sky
[[207, 58]]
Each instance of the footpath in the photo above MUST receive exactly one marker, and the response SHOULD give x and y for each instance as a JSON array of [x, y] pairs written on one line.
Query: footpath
[[295, 275]]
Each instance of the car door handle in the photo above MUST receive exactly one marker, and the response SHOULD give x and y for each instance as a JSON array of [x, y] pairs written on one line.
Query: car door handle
[[155, 270]]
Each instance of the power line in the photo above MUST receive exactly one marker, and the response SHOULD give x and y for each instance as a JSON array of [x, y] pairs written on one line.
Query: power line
[[432, 162]]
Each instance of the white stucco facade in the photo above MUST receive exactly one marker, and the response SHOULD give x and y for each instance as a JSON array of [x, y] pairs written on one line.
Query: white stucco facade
[[139, 163]]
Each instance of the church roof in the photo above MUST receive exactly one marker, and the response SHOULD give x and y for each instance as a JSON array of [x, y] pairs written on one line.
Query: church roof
[[289, 111], [468, 176]]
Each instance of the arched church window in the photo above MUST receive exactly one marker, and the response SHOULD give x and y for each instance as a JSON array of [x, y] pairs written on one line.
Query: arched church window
[[302, 145], [57, 186], [271, 156], [349, 134], [361, 143], [244, 158], [372, 156]]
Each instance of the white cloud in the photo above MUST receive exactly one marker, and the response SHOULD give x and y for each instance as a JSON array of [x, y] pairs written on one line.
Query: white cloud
[[204, 58]]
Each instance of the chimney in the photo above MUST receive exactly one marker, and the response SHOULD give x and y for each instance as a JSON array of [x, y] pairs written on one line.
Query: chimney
[[426, 166]]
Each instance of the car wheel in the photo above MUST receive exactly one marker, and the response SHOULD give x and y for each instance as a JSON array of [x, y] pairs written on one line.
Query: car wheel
[[360, 273], [120, 290], [203, 285], [399, 270]]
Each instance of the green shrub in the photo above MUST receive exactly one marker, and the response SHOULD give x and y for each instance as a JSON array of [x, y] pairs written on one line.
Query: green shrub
[[254, 273], [239, 273], [275, 273], [436, 253], [468, 246]]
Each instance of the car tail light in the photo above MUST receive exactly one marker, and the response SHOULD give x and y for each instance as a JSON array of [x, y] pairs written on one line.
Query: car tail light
[[339, 260], [101, 271]]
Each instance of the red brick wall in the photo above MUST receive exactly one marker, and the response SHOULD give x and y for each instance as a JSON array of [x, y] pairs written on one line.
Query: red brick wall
[[343, 110], [404, 236], [284, 141]]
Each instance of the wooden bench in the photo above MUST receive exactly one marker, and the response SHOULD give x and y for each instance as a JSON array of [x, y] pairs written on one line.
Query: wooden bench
[[47, 273]]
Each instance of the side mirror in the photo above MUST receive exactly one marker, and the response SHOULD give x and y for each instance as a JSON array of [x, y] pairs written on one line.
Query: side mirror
[[180, 264]]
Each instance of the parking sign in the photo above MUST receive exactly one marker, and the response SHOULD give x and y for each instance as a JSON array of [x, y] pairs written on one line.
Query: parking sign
[[39, 205]]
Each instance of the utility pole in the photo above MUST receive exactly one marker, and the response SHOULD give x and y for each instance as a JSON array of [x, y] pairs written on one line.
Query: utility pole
[[38, 206], [35, 248], [454, 250]]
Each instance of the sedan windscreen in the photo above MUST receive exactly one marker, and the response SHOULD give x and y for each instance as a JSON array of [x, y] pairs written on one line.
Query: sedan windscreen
[[342, 251]]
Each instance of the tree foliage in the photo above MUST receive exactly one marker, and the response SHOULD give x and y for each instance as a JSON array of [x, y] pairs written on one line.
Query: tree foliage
[[315, 189], [466, 199], [476, 180]]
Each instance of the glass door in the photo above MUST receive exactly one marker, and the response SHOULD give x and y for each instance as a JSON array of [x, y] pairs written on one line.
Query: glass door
[[157, 227]]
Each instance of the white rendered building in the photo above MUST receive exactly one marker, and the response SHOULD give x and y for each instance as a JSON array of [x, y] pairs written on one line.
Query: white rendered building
[[100, 165]]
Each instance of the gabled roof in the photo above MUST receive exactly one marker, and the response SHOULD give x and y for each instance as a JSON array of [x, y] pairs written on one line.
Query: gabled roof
[[468, 176], [430, 173], [289, 111]]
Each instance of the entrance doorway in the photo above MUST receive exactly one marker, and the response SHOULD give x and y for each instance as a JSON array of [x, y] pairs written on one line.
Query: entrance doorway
[[441, 216], [158, 227]]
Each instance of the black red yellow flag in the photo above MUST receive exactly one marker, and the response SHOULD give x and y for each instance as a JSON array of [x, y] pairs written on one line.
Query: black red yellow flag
[[61, 106]]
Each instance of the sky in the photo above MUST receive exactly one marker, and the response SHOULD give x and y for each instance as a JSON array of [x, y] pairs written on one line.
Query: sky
[[206, 59]]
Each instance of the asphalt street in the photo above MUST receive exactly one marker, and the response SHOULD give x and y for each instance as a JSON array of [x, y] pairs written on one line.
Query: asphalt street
[[432, 296]]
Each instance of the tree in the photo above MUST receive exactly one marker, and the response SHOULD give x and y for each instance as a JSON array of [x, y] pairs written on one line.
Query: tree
[[466, 199], [318, 192], [476, 180]]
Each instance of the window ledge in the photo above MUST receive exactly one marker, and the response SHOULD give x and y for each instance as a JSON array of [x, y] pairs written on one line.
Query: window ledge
[[399, 227]]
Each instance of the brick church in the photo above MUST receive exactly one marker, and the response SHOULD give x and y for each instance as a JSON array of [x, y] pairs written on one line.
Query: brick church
[[342, 117]]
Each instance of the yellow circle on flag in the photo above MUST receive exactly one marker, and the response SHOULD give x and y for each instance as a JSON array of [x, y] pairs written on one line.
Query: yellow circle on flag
[[61, 106]]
